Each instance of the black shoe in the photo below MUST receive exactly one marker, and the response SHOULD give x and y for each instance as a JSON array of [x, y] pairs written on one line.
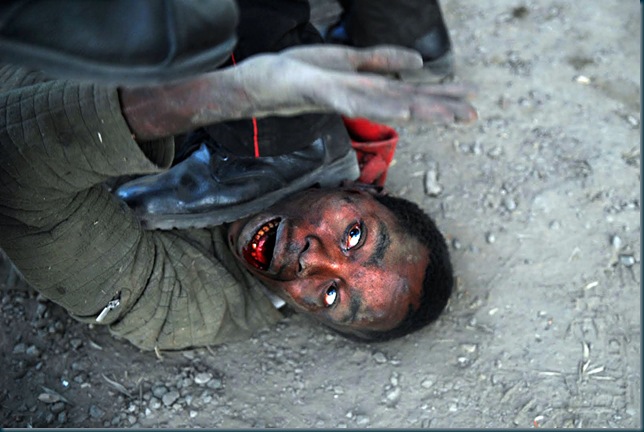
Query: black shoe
[[413, 24], [211, 186], [118, 41]]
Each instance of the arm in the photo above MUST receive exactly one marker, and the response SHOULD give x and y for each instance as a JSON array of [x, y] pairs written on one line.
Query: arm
[[82, 248], [297, 81]]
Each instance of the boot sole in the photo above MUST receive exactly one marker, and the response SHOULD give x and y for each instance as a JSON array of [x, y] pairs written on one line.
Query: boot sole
[[345, 168], [68, 66]]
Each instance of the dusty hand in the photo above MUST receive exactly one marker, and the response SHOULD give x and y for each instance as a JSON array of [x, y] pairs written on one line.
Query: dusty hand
[[335, 78], [314, 78]]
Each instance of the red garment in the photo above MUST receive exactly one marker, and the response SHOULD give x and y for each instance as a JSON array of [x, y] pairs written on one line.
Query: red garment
[[375, 145]]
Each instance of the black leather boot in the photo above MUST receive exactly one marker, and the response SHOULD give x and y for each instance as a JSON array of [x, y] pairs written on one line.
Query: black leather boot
[[416, 24], [211, 186], [118, 41]]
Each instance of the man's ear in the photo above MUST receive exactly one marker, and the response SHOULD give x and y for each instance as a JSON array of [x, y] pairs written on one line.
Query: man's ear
[[362, 187]]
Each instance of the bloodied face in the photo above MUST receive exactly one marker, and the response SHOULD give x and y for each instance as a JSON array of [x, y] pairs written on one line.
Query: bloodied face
[[338, 255]]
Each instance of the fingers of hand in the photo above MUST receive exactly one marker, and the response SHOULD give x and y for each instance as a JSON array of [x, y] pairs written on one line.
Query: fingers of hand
[[386, 58], [442, 110], [382, 59]]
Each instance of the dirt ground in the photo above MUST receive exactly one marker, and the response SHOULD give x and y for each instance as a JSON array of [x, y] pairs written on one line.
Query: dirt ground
[[540, 201]]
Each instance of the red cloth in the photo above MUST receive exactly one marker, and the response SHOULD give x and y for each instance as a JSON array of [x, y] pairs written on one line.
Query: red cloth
[[375, 145]]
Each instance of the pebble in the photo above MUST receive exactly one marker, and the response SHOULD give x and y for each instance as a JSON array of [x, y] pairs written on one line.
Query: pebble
[[432, 187], [426, 383], [57, 407], [362, 420], [32, 351], [159, 390], [627, 260], [616, 242], [203, 378], [48, 398], [456, 244], [215, 384], [96, 412], [393, 396], [495, 152], [19, 348], [379, 357], [509, 203], [394, 379], [76, 343], [62, 417], [193, 414], [154, 403], [170, 397], [489, 237]]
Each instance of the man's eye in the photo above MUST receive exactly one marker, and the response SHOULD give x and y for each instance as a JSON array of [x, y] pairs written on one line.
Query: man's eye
[[330, 296], [353, 236]]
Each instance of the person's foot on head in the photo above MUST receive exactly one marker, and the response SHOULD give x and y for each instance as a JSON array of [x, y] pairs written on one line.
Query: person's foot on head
[[211, 184]]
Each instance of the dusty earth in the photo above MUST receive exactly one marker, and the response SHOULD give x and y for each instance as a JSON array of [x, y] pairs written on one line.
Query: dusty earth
[[541, 203]]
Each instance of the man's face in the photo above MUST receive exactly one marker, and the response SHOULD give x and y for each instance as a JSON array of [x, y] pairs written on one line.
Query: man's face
[[338, 255]]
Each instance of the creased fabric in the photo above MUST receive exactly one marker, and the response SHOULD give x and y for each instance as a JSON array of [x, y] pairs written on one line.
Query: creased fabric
[[82, 248]]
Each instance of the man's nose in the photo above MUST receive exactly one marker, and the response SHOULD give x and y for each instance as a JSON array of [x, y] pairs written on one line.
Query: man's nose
[[317, 258]]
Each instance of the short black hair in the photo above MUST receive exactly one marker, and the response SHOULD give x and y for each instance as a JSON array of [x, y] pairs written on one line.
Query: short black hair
[[439, 277]]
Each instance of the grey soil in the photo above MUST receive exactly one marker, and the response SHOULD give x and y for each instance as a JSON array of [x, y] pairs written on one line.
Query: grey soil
[[540, 201]]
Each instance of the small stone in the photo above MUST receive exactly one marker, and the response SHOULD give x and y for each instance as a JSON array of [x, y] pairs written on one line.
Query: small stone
[[490, 238], [394, 379], [48, 398], [427, 383], [616, 242], [96, 412], [154, 403], [456, 244], [379, 357], [432, 187], [32, 351], [393, 396], [19, 348], [362, 420], [469, 348], [131, 419], [170, 397], [193, 414], [62, 417], [58, 407], [495, 152], [215, 384], [582, 79], [509, 203], [159, 390], [76, 343], [627, 260], [554, 225], [202, 378]]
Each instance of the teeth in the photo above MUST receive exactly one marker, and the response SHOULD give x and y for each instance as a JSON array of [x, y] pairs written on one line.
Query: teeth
[[256, 248], [262, 232]]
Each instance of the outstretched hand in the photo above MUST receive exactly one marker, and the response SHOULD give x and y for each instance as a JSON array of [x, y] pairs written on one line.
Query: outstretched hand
[[312, 78]]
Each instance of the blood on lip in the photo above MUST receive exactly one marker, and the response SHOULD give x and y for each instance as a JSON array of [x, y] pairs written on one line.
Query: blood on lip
[[259, 251]]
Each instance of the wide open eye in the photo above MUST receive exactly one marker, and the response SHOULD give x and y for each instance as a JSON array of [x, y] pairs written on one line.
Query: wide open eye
[[330, 296], [353, 236]]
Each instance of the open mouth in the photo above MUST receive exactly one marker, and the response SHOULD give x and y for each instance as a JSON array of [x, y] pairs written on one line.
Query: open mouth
[[259, 250]]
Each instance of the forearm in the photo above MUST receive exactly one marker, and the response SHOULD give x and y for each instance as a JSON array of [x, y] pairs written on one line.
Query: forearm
[[296, 81]]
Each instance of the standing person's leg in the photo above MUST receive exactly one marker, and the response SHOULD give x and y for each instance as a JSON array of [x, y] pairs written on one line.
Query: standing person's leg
[[120, 42], [228, 170], [416, 24]]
